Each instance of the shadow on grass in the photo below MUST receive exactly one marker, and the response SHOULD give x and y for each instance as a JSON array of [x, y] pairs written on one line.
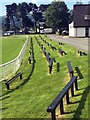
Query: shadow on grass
[[58, 66], [3, 108], [25, 81], [79, 73], [81, 104], [74, 102], [4, 98], [69, 112], [84, 53]]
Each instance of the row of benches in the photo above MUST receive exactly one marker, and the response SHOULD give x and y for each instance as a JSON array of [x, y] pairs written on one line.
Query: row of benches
[[47, 55], [52, 47], [80, 52], [61, 52], [50, 61]]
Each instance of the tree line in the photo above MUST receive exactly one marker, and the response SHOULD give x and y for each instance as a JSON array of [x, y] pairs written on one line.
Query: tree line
[[25, 16]]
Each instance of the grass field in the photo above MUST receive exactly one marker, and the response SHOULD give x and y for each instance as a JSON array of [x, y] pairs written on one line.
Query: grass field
[[30, 97], [11, 46]]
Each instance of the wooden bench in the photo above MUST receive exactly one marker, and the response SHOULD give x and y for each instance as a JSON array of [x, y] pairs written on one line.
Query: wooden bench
[[50, 64], [58, 101], [52, 47], [60, 51], [12, 79], [60, 43], [81, 53], [47, 57], [70, 69]]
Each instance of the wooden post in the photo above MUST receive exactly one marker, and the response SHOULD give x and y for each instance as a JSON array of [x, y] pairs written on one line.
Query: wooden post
[[50, 69], [21, 76], [61, 107], [67, 97], [53, 117], [29, 60], [71, 74], [80, 53], [7, 85], [72, 90], [76, 85], [62, 53]]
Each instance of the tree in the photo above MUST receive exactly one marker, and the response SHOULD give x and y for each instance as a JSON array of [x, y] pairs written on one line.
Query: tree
[[6, 25], [43, 7], [25, 9], [23, 16], [11, 11], [38, 17], [57, 16], [70, 16]]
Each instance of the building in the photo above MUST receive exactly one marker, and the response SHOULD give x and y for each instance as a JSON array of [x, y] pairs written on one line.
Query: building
[[80, 27]]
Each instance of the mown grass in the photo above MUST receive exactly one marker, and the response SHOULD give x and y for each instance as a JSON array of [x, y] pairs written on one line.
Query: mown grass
[[30, 97], [11, 46]]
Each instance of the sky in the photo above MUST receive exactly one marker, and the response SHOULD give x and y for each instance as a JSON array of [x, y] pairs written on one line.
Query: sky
[[38, 2]]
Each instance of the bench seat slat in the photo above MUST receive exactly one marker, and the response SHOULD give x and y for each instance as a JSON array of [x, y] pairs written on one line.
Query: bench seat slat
[[70, 67], [8, 82]]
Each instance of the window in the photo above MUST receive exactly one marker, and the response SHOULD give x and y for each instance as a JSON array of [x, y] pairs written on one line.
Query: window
[[87, 17]]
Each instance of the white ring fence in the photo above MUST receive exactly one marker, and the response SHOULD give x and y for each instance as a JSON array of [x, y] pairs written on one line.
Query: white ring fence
[[10, 68]]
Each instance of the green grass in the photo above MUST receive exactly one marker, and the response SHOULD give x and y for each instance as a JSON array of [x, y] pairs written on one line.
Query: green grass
[[30, 97], [11, 46]]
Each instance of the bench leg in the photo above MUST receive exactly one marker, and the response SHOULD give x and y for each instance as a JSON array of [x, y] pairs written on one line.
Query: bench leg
[[62, 53], [71, 74], [67, 97], [72, 91], [50, 69], [61, 107], [8, 87], [80, 53], [53, 117], [21, 76], [76, 85]]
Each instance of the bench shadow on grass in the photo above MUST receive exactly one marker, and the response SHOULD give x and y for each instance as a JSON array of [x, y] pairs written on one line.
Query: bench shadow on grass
[[78, 72], [81, 104], [80, 107], [24, 82], [58, 66]]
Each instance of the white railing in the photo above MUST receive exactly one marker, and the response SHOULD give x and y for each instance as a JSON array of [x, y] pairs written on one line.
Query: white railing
[[10, 68]]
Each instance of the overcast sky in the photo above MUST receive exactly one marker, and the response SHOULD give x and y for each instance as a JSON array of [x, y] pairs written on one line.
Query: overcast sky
[[38, 2]]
